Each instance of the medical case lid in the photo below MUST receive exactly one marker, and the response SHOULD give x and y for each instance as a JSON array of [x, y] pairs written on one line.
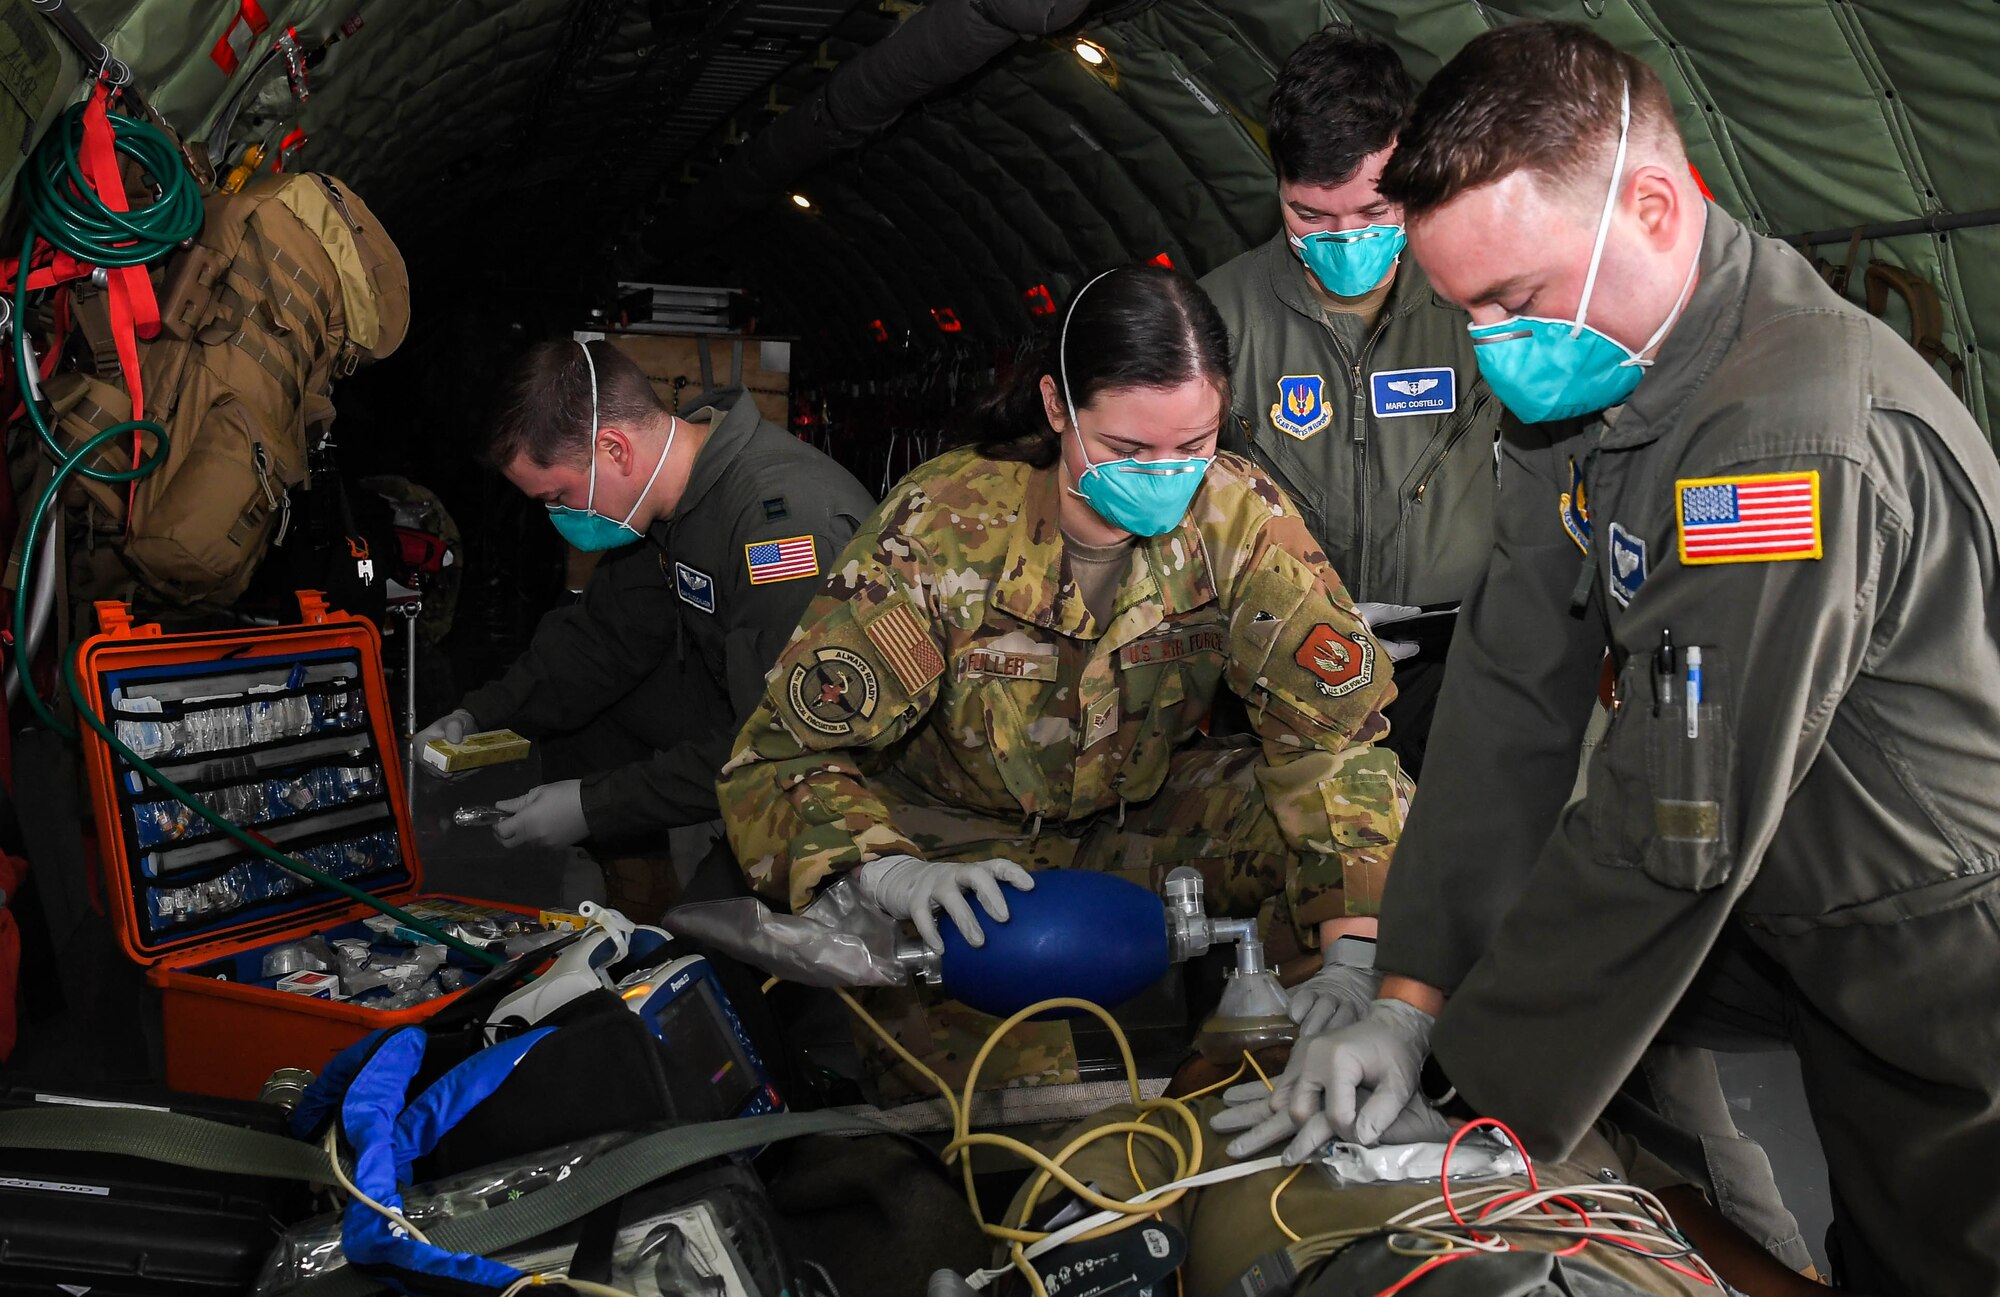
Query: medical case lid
[[123, 645]]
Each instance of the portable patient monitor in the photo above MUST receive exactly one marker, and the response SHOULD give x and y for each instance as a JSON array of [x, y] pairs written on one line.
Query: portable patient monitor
[[715, 1062]]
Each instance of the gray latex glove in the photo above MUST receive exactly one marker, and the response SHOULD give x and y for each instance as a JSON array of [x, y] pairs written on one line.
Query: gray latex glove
[[1354, 1083], [549, 815], [905, 887], [452, 728], [1373, 614], [1332, 998], [1417, 1123]]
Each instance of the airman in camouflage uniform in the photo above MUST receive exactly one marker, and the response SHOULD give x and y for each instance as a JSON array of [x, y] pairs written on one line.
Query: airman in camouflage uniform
[[949, 696]]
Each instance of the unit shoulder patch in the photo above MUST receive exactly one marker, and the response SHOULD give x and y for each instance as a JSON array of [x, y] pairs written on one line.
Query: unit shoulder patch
[[1402, 393], [833, 690], [1575, 509], [695, 587], [1628, 565], [1301, 409], [906, 646], [781, 560], [1749, 518], [1339, 664]]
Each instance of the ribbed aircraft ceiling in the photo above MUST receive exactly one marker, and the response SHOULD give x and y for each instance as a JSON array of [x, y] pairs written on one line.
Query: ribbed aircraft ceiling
[[553, 146]]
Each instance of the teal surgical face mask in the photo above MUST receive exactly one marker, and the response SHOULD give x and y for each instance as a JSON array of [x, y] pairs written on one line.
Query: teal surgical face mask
[[1544, 369], [586, 528], [1144, 497], [1351, 263]]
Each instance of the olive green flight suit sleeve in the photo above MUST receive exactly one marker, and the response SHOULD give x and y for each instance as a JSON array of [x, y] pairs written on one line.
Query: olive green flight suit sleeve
[[862, 671], [587, 656], [677, 786], [1315, 683], [1510, 724], [1639, 878]]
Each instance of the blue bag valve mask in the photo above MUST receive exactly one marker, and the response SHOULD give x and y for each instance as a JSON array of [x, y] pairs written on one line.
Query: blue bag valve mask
[[1144, 497], [1351, 263], [1543, 369], [586, 528]]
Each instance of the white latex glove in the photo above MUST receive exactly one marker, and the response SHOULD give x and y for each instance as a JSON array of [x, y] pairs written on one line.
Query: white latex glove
[[1332, 998], [905, 887], [1373, 614], [452, 728], [549, 815], [1354, 1083]]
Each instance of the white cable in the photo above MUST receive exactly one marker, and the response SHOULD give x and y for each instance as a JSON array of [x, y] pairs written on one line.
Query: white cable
[[980, 1278], [402, 1222], [393, 1216]]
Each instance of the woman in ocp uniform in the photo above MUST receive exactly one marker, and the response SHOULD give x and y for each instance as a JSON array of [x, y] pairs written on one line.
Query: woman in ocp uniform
[[1010, 667]]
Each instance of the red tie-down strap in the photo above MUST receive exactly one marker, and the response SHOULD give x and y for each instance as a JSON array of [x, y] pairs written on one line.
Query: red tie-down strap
[[237, 38], [13, 871], [135, 312]]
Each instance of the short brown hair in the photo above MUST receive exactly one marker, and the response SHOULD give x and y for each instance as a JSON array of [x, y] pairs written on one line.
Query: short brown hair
[[1539, 95], [545, 414], [1342, 95]]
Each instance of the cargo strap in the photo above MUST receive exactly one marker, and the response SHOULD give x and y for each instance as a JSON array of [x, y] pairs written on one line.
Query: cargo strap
[[708, 366], [181, 1140], [608, 1178], [171, 1137]]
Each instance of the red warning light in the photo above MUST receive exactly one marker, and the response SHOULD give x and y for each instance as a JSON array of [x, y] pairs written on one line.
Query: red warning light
[[1162, 260], [947, 320], [878, 330], [1039, 301]]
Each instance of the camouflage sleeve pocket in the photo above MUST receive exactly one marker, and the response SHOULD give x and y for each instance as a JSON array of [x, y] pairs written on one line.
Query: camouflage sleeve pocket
[[1367, 801], [850, 683], [1294, 644]]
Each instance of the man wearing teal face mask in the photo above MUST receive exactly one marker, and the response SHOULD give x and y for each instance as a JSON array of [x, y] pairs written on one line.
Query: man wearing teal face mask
[[1355, 385], [1788, 834], [720, 526]]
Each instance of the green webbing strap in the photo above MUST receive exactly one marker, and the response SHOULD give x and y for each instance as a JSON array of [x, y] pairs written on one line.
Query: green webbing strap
[[621, 1171], [170, 1137]]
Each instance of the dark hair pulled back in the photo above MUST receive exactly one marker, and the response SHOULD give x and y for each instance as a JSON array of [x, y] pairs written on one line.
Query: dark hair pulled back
[[1141, 326]]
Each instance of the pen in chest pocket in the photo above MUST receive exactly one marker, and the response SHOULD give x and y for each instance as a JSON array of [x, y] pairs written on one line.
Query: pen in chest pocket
[[1693, 693]]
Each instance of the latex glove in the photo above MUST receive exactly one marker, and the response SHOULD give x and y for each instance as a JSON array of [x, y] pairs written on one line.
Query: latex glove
[[908, 888], [1417, 1123], [1374, 614], [1352, 1083], [452, 728], [550, 815], [1332, 998]]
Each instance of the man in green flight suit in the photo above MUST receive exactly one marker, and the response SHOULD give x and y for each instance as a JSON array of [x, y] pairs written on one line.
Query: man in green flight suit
[[719, 526], [1357, 389], [1790, 831], [1354, 382]]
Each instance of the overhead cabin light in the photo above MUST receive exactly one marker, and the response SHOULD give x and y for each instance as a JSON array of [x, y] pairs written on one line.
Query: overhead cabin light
[[1162, 259], [1091, 52], [878, 330], [1039, 301], [947, 320], [801, 202]]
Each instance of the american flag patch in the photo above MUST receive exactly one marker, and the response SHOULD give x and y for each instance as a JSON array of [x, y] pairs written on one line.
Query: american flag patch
[[1760, 518], [781, 560], [904, 644]]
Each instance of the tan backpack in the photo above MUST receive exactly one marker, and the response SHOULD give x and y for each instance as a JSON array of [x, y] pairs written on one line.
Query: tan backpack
[[290, 284]]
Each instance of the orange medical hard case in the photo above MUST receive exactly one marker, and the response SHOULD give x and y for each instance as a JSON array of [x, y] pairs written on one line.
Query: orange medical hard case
[[196, 911]]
